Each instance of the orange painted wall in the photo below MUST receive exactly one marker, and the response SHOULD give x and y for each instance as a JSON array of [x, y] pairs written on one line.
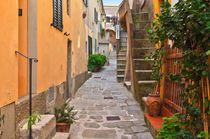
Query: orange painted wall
[[22, 62], [78, 37], [8, 58], [52, 44]]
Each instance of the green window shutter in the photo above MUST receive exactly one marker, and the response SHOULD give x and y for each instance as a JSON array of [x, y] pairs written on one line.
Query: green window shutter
[[55, 13], [58, 14]]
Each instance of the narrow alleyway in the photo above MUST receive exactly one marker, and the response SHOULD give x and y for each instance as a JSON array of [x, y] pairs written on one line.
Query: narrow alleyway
[[107, 110]]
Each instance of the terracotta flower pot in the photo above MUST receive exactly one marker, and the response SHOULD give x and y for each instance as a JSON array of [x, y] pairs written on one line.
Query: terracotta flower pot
[[84, 15], [153, 104], [62, 127], [96, 69]]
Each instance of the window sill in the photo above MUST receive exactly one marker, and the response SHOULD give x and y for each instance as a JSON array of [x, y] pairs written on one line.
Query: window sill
[[58, 28]]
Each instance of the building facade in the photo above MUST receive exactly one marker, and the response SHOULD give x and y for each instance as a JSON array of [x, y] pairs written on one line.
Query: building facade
[[94, 22], [54, 33]]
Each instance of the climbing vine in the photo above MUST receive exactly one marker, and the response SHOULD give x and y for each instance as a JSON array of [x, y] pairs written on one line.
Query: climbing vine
[[187, 25]]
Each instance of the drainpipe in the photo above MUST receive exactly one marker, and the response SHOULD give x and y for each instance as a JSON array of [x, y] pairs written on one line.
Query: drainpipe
[[31, 60]]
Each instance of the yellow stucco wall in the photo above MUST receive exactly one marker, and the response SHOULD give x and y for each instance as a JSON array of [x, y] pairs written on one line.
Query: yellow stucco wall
[[52, 44], [8, 58], [78, 37], [22, 62], [157, 4]]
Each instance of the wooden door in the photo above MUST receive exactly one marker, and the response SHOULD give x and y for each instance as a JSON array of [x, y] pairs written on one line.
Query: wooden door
[[68, 76]]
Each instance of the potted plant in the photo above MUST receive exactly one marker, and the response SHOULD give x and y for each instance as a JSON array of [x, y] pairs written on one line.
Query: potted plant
[[65, 116], [96, 62], [153, 102]]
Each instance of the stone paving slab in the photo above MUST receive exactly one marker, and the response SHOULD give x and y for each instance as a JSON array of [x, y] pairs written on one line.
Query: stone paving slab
[[101, 97]]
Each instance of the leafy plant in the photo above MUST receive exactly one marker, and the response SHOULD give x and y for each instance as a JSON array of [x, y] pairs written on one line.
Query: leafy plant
[[96, 61], [32, 119], [187, 25], [173, 129], [103, 32], [65, 114]]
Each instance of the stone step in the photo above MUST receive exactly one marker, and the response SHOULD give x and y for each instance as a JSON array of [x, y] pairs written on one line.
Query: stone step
[[122, 52], [123, 48], [120, 78], [123, 44], [121, 56], [123, 34], [45, 129], [141, 64], [142, 25], [61, 135], [146, 87], [143, 74], [139, 17], [141, 52], [143, 43], [143, 104], [120, 71], [121, 61], [141, 34], [121, 66], [128, 84], [123, 39]]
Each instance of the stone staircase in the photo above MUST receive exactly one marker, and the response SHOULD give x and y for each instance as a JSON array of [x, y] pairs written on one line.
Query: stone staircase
[[142, 47], [121, 57]]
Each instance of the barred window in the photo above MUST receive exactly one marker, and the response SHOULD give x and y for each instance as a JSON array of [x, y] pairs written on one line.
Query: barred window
[[58, 14]]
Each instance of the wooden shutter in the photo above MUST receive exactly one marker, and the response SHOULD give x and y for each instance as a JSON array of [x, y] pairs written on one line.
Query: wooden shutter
[[60, 15], [55, 13], [68, 7]]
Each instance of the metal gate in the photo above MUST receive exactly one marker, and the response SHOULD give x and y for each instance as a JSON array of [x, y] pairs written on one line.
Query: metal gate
[[172, 101]]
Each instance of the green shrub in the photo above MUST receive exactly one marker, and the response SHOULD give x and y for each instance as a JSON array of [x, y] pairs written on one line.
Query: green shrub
[[96, 61]]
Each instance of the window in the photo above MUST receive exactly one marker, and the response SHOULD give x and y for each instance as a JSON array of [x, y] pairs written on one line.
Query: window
[[68, 7], [58, 14], [85, 2], [95, 15]]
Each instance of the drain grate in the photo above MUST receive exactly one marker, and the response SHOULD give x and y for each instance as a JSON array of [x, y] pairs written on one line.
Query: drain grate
[[108, 97], [112, 118], [97, 77]]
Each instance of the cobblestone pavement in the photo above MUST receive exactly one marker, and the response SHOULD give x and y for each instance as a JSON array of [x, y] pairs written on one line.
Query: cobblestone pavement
[[106, 110]]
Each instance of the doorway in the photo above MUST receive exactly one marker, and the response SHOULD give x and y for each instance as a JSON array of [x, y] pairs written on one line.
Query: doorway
[[68, 75], [89, 46]]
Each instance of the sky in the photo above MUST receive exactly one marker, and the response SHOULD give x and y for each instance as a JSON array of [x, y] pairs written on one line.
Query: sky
[[112, 2]]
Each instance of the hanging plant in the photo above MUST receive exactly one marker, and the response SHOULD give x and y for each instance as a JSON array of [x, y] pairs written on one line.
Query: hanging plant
[[103, 32]]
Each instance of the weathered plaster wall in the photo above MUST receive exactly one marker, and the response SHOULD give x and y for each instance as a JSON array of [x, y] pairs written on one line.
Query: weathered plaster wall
[[8, 58], [52, 47], [23, 48], [78, 37]]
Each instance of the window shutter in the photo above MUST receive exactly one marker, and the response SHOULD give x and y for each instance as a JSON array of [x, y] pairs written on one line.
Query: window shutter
[[55, 13], [60, 15], [68, 7]]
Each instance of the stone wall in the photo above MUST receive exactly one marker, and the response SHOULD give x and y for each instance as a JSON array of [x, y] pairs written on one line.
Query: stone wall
[[78, 80], [7, 121], [147, 7], [46, 101]]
